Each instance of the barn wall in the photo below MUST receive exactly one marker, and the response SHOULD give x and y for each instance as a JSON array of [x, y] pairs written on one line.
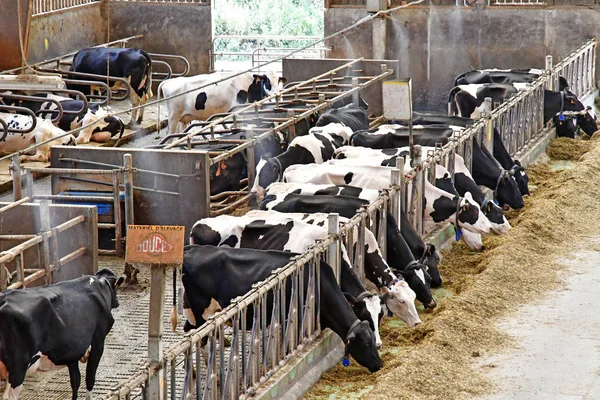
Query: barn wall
[[66, 31], [434, 45], [183, 29]]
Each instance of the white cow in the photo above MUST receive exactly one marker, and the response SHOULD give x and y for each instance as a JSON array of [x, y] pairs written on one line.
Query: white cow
[[43, 131], [218, 98]]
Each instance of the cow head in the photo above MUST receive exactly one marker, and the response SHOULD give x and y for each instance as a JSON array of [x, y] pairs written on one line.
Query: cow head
[[259, 88], [399, 298], [496, 217], [430, 259], [113, 282], [518, 172], [360, 344], [470, 217], [419, 281], [368, 308], [507, 191], [226, 175], [267, 171], [112, 124], [586, 120]]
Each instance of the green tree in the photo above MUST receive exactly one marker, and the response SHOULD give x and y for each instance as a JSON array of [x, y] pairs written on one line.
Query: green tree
[[266, 17]]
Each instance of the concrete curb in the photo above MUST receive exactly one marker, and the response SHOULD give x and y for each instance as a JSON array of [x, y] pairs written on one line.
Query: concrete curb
[[327, 349], [297, 377]]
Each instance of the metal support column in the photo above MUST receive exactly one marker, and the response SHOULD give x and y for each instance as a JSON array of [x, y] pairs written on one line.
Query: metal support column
[[128, 183], [155, 328], [16, 173], [333, 254]]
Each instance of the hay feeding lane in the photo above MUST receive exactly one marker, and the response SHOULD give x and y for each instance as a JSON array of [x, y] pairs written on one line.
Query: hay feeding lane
[[435, 359]]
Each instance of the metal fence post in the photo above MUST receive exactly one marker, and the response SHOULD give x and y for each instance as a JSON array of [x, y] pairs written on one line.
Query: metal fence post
[[45, 226], [29, 184], [488, 137], [356, 94], [128, 183], [251, 164], [333, 254], [155, 327], [418, 186], [359, 260], [292, 128], [16, 173], [396, 183], [550, 82]]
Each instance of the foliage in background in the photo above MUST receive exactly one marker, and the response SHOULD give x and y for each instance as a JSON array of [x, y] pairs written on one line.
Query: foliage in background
[[266, 17]]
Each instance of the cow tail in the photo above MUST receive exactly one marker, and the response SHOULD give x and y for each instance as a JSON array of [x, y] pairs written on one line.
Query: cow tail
[[174, 309], [148, 85]]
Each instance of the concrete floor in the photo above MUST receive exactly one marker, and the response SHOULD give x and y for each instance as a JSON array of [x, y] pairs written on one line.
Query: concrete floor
[[558, 340]]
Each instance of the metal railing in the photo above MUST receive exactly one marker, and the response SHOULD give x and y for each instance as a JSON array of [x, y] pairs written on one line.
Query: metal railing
[[255, 354], [262, 48], [42, 7], [46, 245], [519, 120]]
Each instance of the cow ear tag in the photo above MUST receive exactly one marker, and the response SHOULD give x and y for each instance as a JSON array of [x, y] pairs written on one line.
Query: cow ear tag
[[495, 202], [346, 361], [561, 117], [458, 234]]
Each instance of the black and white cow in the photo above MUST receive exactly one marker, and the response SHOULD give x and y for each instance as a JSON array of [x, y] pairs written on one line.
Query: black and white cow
[[425, 253], [331, 190], [220, 274], [439, 207], [494, 75], [102, 126], [398, 254], [56, 326], [463, 182], [465, 101], [316, 147], [393, 136], [43, 131], [500, 153], [135, 65], [350, 115], [488, 173], [218, 98]]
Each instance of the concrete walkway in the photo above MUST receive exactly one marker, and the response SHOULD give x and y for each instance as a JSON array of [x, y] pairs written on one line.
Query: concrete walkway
[[558, 340]]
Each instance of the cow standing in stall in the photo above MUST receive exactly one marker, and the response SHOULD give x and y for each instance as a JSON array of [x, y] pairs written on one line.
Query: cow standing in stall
[[135, 65]]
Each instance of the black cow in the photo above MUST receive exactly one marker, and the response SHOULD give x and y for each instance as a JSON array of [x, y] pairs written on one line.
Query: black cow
[[105, 126], [425, 253], [504, 76], [135, 65], [464, 101], [56, 325], [398, 254], [386, 137], [350, 115], [222, 273], [486, 172]]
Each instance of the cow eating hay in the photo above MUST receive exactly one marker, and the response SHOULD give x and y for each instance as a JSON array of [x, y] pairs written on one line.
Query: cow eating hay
[[551, 226]]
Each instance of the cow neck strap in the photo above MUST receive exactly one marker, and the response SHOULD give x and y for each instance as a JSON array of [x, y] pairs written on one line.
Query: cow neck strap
[[484, 202], [503, 174], [410, 264], [278, 163], [424, 255], [456, 222], [363, 295], [346, 361]]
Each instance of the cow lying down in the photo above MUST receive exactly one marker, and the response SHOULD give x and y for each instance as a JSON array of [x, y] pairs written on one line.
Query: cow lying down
[[55, 326], [43, 131], [222, 273]]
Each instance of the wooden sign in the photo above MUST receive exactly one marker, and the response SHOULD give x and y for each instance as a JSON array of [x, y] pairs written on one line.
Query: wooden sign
[[155, 244]]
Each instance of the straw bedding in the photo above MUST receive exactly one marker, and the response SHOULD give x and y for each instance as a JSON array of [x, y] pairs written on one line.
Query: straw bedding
[[435, 359]]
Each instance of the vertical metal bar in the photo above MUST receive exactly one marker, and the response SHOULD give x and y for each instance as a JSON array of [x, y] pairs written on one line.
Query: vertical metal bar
[[173, 380], [251, 159], [301, 315], [20, 269], [221, 333], [550, 82], [16, 173], [360, 246], [381, 233], [3, 277], [244, 357], [318, 291], [128, 182], [155, 326], [333, 255], [44, 250], [291, 129], [356, 94], [395, 193], [198, 352], [418, 183], [117, 214], [29, 184]]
